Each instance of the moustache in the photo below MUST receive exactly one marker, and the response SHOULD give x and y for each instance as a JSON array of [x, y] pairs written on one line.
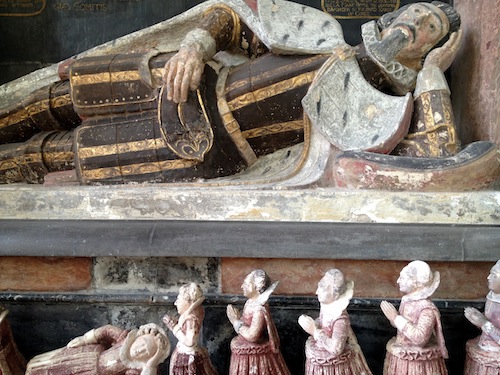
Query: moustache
[[410, 27]]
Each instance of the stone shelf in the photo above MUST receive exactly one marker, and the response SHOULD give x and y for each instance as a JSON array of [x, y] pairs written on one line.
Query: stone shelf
[[165, 220]]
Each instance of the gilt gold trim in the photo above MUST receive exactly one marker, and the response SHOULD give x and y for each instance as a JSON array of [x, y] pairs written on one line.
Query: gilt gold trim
[[32, 157], [230, 123], [61, 101], [270, 91], [8, 164], [58, 157], [120, 148], [136, 169], [281, 127], [105, 77], [272, 73], [15, 118], [34, 109]]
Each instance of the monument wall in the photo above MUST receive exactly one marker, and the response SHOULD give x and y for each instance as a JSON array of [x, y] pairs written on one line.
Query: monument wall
[[76, 258]]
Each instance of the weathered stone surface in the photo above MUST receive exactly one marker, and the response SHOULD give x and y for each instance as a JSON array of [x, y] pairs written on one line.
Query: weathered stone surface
[[45, 274], [156, 274], [372, 279], [170, 202]]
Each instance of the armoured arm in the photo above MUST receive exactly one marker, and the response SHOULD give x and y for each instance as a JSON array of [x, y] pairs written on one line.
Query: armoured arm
[[215, 32], [433, 130]]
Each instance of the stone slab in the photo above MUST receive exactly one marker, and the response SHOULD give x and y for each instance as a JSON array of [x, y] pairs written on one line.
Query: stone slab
[[162, 220]]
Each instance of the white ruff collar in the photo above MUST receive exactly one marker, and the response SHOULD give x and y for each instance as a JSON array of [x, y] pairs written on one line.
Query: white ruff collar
[[493, 297]]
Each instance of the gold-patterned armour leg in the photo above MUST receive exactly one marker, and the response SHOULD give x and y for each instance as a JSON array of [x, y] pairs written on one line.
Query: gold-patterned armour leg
[[46, 109], [30, 161]]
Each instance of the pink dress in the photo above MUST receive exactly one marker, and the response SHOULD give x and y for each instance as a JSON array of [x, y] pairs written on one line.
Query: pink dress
[[419, 347], [346, 357], [255, 351], [191, 361], [483, 352]]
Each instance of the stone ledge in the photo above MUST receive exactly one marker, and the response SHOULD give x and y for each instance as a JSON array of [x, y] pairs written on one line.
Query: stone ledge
[[319, 240], [167, 202], [165, 220]]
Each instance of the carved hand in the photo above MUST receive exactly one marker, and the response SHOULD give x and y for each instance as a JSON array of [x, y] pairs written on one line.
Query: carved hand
[[232, 313], [76, 342], [183, 72], [443, 56], [169, 321], [307, 323], [87, 338], [475, 316], [389, 311]]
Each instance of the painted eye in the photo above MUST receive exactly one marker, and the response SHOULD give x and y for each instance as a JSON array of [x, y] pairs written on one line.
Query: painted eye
[[432, 26]]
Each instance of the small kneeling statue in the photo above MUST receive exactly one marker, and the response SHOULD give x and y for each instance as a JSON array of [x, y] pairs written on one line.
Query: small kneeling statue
[[332, 347], [189, 357], [255, 351], [483, 352], [419, 346]]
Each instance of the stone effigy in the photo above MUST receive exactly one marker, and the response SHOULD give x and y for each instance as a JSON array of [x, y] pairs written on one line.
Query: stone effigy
[[189, 357], [483, 352], [107, 350], [419, 346], [221, 91], [332, 347]]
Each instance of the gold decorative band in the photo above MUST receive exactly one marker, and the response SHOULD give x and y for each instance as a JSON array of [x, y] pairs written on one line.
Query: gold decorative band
[[106, 77], [54, 157], [121, 148], [33, 109], [270, 91], [230, 123], [136, 169], [274, 129]]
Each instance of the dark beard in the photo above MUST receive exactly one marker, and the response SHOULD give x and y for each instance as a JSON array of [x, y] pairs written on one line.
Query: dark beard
[[386, 50]]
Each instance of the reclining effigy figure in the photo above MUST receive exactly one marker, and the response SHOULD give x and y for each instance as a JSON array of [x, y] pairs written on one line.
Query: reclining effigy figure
[[209, 93], [107, 350]]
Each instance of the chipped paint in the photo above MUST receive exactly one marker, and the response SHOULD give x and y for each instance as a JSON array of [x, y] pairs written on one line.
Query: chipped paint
[[163, 202]]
